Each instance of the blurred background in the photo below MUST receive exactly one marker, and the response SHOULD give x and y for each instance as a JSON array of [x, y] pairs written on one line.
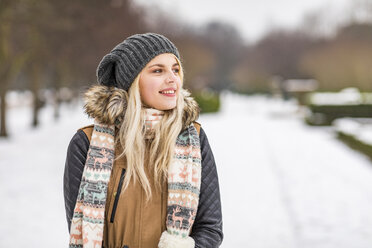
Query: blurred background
[[285, 89]]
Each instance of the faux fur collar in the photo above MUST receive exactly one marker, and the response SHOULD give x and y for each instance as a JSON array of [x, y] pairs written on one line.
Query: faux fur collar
[[108, 104]]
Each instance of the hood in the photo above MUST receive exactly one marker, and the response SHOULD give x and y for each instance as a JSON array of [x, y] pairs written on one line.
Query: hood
[[108, 105]]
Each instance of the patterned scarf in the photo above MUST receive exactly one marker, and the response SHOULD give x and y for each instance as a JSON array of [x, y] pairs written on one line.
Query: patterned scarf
[[184, 176], [152, 118]]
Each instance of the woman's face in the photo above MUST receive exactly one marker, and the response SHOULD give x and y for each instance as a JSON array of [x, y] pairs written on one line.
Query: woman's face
[[160, 82]]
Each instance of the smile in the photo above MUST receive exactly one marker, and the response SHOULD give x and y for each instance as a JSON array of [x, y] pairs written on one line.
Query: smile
[[167, 92]]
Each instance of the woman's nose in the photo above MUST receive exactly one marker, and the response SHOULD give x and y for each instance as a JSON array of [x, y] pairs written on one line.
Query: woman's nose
[[171, 77]]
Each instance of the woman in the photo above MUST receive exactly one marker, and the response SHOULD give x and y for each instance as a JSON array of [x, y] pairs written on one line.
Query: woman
[[144, 174]]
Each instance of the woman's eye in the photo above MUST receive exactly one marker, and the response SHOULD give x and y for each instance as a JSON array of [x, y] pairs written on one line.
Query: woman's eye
[[176, 70], [157, 71]]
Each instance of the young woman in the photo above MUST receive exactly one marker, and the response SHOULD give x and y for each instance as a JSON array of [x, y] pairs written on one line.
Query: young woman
[[143, 175]]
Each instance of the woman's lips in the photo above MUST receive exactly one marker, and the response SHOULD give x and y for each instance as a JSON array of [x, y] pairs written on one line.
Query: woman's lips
[[167, 94], [170, 93]]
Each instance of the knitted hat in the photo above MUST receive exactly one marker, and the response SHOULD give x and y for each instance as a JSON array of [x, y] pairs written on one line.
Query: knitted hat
[[121, 66]]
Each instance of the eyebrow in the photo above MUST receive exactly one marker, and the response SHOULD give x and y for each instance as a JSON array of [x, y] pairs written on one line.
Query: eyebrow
[[161, 65]]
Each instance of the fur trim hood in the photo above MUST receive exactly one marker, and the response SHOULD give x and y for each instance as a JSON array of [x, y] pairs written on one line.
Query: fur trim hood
[[108, 105]]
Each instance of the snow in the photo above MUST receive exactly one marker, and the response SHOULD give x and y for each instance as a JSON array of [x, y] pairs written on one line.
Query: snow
[[359, 128], [283, 184], [347, 96]]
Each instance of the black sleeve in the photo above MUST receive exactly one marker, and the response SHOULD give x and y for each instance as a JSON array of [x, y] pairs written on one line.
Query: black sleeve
[[74, 166], [207, 229]]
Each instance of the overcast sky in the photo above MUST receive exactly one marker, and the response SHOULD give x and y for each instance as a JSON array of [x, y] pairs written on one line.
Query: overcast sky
[[252, 18]]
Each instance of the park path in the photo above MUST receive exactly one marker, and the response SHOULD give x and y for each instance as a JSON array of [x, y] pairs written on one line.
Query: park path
[[283, 184]]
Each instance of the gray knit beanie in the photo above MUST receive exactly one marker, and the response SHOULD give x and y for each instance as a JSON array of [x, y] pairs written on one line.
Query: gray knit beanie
[[121, 66]]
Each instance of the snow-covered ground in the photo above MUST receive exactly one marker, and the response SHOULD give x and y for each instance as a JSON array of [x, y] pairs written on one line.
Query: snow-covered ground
[[283, 184], [359, 128]]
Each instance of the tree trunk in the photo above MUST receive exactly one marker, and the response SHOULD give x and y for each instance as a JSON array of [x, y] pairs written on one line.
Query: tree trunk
[[35, 86], [3, 132], [4, 71], [57, 103], [57, 94]]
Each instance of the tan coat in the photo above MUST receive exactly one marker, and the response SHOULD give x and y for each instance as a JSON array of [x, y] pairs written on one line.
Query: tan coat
[[130, 221]]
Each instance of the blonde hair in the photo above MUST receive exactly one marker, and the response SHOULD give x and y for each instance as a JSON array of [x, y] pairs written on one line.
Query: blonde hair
[[161, 147]]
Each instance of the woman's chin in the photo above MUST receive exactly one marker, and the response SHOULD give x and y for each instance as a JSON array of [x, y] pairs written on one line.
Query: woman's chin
[[166, 107]]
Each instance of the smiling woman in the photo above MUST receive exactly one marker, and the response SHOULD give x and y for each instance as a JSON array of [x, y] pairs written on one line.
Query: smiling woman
[[143, 176]]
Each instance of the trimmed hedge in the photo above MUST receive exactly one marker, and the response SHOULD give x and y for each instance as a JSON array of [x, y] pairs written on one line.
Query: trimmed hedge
[[356, 144], [325, 114], [209, 102]]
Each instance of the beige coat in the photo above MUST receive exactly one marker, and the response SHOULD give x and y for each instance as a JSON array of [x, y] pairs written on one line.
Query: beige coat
[[130, 220]]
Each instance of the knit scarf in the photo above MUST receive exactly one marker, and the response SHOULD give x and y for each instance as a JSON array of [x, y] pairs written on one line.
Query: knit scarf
[[184, 176]]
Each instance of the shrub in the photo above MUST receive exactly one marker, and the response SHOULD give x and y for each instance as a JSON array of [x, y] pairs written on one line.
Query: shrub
[[208, 101], [325, 114]]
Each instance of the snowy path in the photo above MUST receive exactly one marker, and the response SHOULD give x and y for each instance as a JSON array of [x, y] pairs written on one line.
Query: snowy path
[[283, 184]]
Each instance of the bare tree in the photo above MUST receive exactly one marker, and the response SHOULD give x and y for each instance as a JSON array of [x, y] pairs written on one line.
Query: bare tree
[[226, 43], [11, 60], [343, 61]]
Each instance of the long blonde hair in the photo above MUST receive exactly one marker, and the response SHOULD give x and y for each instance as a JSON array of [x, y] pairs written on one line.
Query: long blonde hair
[[161, 148]]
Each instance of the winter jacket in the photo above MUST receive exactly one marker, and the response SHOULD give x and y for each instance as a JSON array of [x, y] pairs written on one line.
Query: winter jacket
[[129, 208]]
